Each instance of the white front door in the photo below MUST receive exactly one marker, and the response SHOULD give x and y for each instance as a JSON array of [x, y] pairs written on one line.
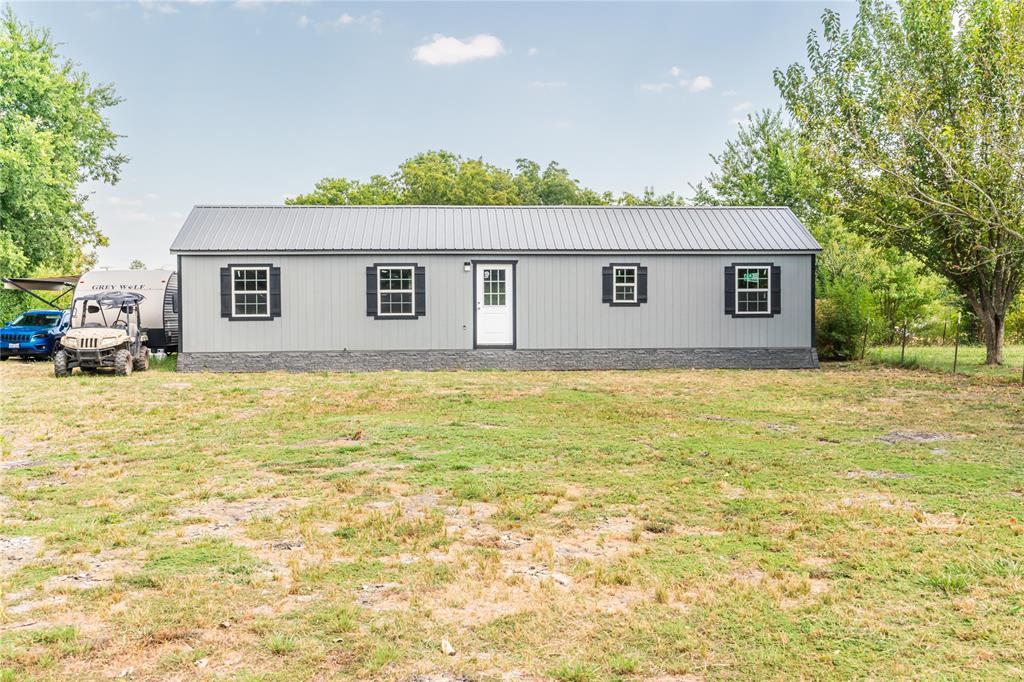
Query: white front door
[[494, 304]]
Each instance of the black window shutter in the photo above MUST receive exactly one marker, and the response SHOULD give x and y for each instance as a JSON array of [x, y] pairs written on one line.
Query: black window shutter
[[275, 291], [606, 284], [730, 290], [641, 284], [225, 292], [776, 290], [371, 291], [420, 288]]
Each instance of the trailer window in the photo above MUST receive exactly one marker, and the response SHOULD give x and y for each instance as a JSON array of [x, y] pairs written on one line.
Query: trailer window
[[250, 292], [394, 291]]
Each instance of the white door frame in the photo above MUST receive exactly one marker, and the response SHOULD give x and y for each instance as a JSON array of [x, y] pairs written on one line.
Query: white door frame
[[511, 291]]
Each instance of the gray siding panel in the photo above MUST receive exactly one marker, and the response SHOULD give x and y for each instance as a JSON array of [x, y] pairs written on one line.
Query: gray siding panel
[[323, 301]]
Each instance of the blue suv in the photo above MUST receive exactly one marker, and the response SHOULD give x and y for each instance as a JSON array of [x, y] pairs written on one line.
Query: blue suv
[[34, 334]]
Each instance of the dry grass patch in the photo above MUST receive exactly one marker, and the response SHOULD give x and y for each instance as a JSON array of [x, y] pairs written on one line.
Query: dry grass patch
[[522, 526]]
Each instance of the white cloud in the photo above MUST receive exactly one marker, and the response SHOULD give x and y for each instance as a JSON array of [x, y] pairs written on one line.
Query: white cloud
[[698, 84], [256, 4], [730, 93], [742, 106], [343, 20], [158, 7], [655, 87], [533, 51], [675, 71], [547, 84], [372, 21], [445, 50]]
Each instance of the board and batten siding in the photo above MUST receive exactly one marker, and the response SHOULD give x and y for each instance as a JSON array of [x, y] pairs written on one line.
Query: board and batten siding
[[558, 305]]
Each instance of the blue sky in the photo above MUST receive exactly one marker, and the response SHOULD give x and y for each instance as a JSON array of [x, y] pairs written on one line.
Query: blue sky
[[249, 102]]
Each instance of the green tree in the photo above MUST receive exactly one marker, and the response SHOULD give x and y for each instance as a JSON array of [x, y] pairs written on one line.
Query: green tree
[[136, 264], [915, 118], [53, 137], [443, 178], [765, 165]]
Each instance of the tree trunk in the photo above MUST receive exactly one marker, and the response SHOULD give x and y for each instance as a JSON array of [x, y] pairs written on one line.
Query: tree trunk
[[993, 327]]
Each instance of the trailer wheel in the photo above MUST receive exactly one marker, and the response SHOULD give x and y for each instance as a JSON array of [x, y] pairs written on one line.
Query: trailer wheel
[[122, 363], [60, 364], [141, 363]]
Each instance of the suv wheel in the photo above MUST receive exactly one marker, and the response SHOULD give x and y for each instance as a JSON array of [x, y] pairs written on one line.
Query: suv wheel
[[60, 364], [122, 363], [141, 363]]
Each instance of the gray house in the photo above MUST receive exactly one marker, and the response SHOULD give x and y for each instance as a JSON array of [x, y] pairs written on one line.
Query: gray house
[[437, 287]]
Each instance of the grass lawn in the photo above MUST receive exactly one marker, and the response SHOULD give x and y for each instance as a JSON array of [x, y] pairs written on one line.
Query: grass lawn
[[970, 360], [849, 523]]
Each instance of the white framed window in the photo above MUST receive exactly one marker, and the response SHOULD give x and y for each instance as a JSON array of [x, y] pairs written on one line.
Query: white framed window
[[395, 290], [753, 287], [495, 286], [624, 284], [250, 291]]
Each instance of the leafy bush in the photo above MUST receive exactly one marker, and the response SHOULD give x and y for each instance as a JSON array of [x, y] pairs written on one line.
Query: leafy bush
[[842, 318]]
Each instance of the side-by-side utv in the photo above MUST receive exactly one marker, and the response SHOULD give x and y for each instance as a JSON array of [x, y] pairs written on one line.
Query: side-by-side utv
[[106, 332]]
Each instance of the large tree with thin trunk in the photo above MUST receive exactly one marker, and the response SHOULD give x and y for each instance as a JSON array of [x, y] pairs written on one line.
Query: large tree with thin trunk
[[916, 118]]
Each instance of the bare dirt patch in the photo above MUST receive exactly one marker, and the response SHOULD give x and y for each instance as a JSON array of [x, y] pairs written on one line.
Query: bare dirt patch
[[943, 521], [17, 551], [381, 596], [863, 500], [938, 521], [894, 437], [730, 491], [176, 385], [30, 605], [220, 516], [610, 538], [880, 475], [97, 572]]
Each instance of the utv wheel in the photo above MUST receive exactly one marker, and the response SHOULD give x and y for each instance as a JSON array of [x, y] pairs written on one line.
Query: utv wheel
[[122, 363], [141, 363], [60, 364]]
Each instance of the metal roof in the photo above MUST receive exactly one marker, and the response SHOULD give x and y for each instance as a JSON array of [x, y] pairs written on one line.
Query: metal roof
[[491, 229]]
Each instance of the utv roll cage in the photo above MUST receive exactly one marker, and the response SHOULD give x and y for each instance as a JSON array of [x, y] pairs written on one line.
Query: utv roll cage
[[123, 302]]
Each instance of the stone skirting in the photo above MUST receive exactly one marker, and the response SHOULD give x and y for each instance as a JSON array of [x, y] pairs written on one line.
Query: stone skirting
[[561, 359]]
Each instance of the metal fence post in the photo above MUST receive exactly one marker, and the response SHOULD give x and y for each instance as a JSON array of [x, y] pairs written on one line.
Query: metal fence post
[[903, 347], [864, 345], [956, 341]]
